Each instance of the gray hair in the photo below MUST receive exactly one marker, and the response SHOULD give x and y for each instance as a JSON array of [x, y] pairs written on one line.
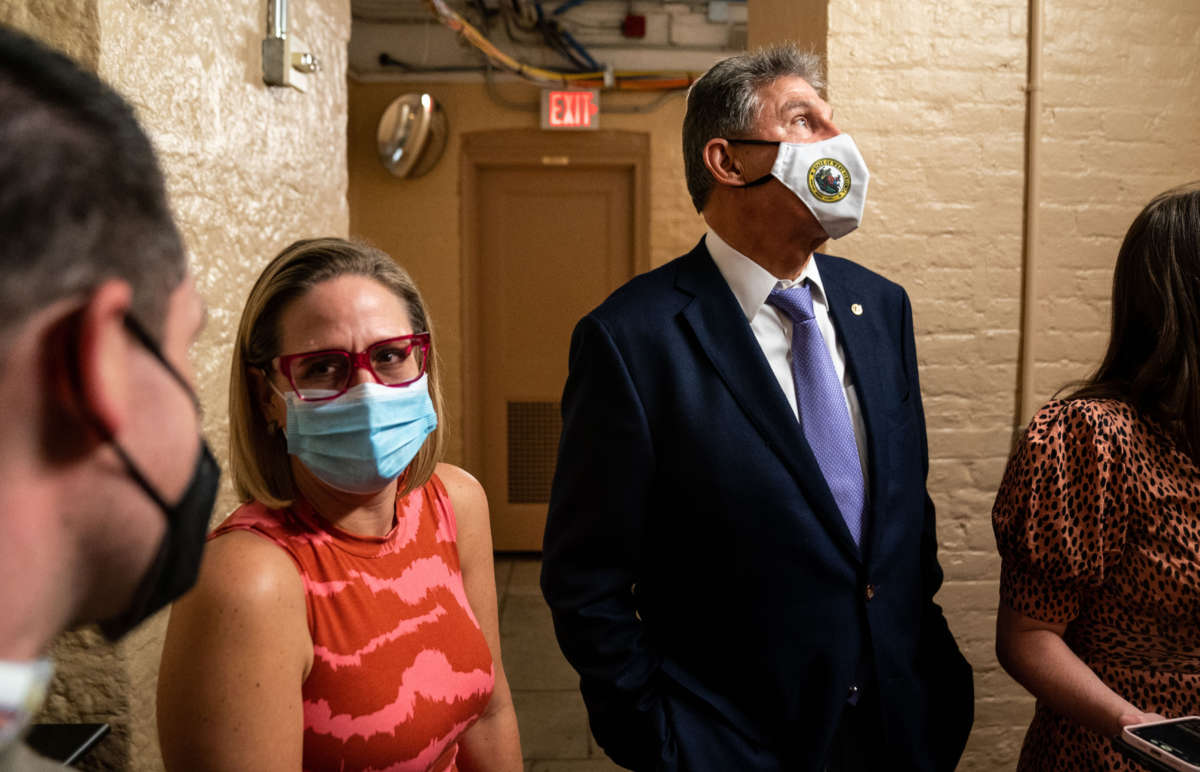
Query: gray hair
[[724, 102]]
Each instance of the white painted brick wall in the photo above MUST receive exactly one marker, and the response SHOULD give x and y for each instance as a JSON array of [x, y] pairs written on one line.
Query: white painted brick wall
[[934, 96]]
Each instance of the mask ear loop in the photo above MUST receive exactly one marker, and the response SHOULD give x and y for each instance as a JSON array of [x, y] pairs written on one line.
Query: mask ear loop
[[136, 329], [763, 180], [103, 432], [137, 475], [114, 628], [272, 425], [277, 391]]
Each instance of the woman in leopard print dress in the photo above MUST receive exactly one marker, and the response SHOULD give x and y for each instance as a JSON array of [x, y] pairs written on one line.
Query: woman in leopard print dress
[[1098, 517]]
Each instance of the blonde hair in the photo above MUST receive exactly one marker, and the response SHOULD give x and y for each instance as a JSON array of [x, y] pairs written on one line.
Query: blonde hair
[[258, 456]]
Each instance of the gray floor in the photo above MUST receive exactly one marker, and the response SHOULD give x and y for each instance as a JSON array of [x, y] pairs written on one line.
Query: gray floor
[[554, 730]]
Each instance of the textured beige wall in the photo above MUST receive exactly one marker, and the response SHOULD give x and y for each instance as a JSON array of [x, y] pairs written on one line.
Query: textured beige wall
[[804, 22], [417, 221], [934, 95], [249, 168], [1121, 124], [73, 26]]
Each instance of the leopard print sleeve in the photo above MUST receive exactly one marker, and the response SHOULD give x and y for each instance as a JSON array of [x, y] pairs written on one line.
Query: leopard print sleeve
[[1059, 517]]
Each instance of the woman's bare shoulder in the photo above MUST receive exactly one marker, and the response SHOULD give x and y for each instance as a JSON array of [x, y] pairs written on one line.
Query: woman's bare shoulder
[[468, 499], [458, 481], [246, 570]]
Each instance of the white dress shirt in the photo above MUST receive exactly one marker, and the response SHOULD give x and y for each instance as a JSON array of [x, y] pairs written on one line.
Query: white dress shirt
[[751, 285]]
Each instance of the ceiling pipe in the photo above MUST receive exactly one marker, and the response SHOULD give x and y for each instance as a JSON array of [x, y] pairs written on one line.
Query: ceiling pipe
[[277, 18], [285, 62], [1033, 129]]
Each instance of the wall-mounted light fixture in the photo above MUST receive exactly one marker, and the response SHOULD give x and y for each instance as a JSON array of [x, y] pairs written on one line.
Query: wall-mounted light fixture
[[285, 60]]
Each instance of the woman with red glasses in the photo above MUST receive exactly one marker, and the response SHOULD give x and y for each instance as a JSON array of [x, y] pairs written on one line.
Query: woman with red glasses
[[345, 617]]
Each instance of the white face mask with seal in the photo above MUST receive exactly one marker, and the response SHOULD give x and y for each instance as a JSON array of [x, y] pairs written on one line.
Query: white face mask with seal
[[829, 176]]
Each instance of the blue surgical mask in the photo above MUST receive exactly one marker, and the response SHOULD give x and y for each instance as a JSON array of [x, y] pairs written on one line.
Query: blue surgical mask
[[365, 438]]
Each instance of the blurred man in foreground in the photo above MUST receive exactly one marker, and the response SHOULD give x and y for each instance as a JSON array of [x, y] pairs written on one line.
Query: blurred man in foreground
[[107, 483]]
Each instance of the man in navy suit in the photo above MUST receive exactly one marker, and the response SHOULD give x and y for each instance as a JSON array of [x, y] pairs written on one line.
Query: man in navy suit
[[740, 555]]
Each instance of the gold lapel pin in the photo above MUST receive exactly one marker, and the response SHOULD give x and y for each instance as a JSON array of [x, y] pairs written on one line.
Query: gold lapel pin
[[856, 309]]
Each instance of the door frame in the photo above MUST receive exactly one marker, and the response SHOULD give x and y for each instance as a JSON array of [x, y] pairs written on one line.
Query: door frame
[[533, 148]]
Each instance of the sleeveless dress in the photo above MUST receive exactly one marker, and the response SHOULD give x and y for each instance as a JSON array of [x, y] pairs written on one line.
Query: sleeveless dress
[[400, 666], [1098, 525]]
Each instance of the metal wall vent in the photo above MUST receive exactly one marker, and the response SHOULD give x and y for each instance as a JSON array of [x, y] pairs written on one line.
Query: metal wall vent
[[533, 430]]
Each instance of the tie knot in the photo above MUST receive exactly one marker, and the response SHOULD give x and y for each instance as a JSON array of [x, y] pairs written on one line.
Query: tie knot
[[795, 301]]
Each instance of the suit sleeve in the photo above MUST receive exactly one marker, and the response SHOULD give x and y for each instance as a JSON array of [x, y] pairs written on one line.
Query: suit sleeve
[[599, 507], [946, 672]]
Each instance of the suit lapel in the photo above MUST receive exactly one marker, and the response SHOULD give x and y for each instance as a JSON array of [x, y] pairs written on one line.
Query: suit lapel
[[724, 336], [860, 342]]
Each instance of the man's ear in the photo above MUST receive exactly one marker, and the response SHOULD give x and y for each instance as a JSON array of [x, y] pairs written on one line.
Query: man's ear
[[721, 164], [104, 356]]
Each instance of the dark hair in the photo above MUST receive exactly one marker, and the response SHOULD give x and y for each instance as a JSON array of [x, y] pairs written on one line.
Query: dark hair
[[81, 194], [1153, 356], [723, 102]]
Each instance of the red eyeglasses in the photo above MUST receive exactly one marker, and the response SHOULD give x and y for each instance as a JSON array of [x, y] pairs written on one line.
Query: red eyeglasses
[[320, 375]]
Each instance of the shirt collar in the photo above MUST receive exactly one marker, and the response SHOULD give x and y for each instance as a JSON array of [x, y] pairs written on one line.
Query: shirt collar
[[750, 282]]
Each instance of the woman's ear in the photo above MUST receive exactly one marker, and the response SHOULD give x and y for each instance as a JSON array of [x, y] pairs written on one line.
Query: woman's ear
[[104, 349], [721, 164], [272, 406]]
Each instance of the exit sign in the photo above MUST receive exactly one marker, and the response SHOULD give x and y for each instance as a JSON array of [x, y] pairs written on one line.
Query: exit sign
[[575, 109]]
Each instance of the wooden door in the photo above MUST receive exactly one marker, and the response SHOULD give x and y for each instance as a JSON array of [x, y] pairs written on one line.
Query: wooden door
[[552, 237]]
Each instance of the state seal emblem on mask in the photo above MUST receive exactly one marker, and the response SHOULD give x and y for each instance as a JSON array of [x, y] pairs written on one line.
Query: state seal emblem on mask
[[828, 180]]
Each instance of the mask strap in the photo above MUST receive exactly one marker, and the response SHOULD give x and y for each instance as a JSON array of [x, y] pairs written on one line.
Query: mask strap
[[136, 329], [277, 391], [763, 180], [138, 477], [139, 333]]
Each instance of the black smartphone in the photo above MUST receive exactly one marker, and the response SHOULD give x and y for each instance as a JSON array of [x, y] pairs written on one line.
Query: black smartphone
[[67, 743]]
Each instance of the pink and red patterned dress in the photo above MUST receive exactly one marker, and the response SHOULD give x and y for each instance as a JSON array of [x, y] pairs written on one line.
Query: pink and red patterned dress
[[400, 666]]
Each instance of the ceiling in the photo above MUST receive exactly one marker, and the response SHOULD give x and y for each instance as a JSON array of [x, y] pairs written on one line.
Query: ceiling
[[686, 36]]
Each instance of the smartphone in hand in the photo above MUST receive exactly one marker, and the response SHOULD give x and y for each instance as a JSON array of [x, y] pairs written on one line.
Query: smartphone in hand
[[1174, 743]]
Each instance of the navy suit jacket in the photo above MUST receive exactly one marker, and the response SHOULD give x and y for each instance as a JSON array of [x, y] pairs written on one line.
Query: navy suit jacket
[[701, 579]]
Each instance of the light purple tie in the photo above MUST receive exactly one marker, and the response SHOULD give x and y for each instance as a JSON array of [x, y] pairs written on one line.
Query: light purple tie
[[821, 403]]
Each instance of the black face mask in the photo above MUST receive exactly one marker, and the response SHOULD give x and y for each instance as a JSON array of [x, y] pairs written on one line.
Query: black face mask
[[175, 567]]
